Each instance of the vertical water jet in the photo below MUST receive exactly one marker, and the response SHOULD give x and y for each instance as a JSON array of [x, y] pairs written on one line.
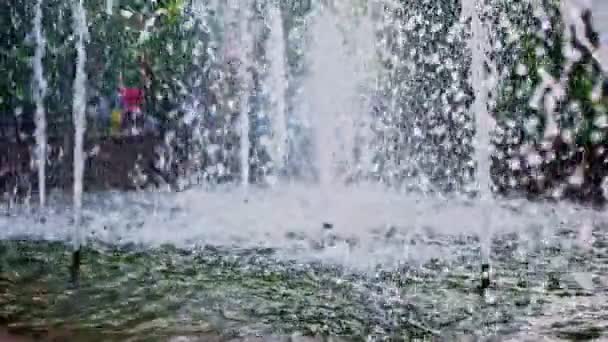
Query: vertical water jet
[[79, 119], [479, 45], [484, 123], [109, 7], [39, 97]]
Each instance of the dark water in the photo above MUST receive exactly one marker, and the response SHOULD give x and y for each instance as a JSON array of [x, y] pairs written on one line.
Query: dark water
[[550, 288]]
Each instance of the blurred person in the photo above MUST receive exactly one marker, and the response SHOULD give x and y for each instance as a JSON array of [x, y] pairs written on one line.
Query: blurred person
[[132, 100]]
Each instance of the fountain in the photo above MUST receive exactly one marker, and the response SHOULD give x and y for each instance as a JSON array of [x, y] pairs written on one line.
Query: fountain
[[369, 99]]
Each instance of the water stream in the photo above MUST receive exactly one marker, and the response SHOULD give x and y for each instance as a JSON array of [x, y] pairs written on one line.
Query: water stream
[[79, 114], [479, 46], [39, 96]]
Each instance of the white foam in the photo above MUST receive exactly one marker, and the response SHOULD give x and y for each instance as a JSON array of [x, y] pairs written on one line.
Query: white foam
[[267, 219]]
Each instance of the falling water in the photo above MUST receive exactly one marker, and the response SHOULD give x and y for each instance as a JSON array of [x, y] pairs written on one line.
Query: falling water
[[39, 95], [367, 69], [323, 92], [277, 87], [78, 110], [246, 54]]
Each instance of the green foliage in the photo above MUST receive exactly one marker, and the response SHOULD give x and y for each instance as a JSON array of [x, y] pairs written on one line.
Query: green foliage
[[135, 30], [545, 50], [141, 35], [15, 93], [535, 44], [175, 46]]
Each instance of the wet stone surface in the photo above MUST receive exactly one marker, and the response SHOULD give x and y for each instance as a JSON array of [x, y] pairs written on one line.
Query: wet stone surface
[[550, 287]]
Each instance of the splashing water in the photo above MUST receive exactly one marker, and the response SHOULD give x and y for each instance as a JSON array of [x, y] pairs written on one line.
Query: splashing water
[[39, 96], [79, 113], [374, 228]]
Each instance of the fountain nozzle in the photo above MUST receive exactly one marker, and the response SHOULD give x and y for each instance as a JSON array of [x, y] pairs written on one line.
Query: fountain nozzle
[[75, 267], [485, 276]]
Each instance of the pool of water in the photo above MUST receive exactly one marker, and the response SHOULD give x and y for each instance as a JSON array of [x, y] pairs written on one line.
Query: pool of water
[[144, 293], [280, 277]]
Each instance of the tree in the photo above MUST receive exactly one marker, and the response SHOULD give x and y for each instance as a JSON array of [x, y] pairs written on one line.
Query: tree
[[15, 51], [533, 46]]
